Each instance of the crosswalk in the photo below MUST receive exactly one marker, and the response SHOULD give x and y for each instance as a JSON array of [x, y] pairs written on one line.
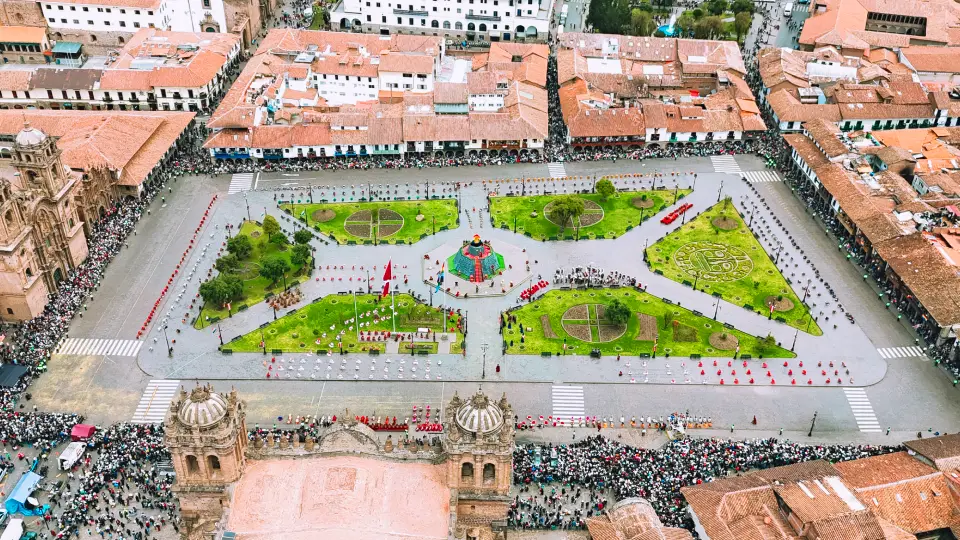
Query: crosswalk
[[155, 401], [759, 177], [567, 401], [93, 346], [240, 182], [902, 352], [557, 170], [725, 164], [862, 410]]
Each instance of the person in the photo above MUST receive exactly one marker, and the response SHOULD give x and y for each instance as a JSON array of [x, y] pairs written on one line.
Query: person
[[498, 368]]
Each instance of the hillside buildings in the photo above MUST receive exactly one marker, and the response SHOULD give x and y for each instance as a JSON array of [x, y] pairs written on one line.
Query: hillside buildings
[[309, 94]]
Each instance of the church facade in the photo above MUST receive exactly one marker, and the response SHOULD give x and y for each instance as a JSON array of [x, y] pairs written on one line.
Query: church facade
[[41, 232]]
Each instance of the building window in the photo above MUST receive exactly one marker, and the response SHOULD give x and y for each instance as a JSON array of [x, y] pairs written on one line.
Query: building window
[[193, 466], [206, 4], [489, 474], [466, 473], [123, 23], [213, 464]]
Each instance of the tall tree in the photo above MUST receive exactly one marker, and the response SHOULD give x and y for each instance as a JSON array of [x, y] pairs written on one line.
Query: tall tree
[[300, 254], [743, 6], [566, 208], [641, 23], [270, 226], [605, 189], [302, 236], [227, 264], [273, 268], [240, 246], [617, 312], [686, 23], [741, 24]]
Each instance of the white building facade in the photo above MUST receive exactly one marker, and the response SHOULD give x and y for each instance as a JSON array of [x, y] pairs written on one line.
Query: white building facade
[[468, 20]]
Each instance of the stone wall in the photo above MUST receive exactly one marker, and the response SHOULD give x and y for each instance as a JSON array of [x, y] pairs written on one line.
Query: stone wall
[[340, 440], [94, 43], [21, 13]]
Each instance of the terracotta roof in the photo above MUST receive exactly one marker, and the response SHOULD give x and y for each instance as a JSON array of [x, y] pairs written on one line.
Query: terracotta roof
[[935, 283], [407, 63], [886, 469], [15, 79], [66, 79], [826, 135], [22, 34], [933, 59], [936, 448], [788, 108], [445, 92], [142, 4], [807, 150], [130, 142]]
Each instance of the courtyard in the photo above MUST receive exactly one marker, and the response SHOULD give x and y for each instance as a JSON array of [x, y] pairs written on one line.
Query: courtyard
[[716, 253], [609, 217], [578, 322], [393, 222]]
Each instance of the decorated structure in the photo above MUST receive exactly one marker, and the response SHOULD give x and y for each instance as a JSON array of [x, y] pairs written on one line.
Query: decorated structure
[[476, 261]]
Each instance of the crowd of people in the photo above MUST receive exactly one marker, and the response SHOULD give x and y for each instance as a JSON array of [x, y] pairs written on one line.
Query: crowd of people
[[593, 276], [560, 486]]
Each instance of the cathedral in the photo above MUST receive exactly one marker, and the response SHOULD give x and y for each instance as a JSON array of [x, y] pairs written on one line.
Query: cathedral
[[41, 235]]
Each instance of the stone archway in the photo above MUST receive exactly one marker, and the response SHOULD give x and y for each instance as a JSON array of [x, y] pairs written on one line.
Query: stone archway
[[57, 276]]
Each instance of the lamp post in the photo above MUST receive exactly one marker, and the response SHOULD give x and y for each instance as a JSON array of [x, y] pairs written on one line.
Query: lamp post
[[813, 423], [694, 186], [720, 191], [484, 347], [794, 340], [247, 201], [806, 291], [169, 348], [717, 310]]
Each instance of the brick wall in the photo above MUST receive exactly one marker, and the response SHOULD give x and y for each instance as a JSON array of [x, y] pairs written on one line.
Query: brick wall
[[94, 43], [21, 13]]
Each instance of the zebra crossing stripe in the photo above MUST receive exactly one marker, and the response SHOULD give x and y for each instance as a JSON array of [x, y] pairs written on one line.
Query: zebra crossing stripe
[[557, 170], [567, 401], [758, 177], [725, 164], [240, 182], [902, 352], [155, 401], [95, 346], [862, 410]]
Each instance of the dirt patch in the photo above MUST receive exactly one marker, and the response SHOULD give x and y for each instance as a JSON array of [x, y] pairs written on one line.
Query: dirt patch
[[578, 331], [590, 219], [648, 327], [600, 311], [547, 329], [784, 304], [577, 313], [360, 230], [638, 202], [724, 223], [686, 334], [721, 343], [256, 234], [362, 215], [387, 230], [389, 215], [610, 332], [323, 215]]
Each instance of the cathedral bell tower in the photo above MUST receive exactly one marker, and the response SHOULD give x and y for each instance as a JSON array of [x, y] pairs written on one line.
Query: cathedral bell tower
[[37, 158]]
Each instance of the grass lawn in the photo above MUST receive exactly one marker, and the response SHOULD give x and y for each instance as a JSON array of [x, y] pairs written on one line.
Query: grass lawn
[[389, 222], [254, 286], [577, 315], [718, 247], [309, 328], [609, 219], [318, 19]]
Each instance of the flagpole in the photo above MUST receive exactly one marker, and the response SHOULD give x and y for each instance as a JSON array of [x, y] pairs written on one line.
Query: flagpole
[[393, 309], [356, 316]]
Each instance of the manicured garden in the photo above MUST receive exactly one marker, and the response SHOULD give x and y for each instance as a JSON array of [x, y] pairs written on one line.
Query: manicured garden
[[594, 216], [717, 253], [316, 326], [257, 263], [399, 222], [627, 322]]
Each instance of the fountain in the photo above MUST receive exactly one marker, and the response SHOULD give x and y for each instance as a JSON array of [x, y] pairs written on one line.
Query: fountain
[[667, 29]]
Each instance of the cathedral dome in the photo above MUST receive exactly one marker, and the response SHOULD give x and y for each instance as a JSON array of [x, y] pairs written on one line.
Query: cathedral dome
[[203, 408], [30, 136], [479, 415]]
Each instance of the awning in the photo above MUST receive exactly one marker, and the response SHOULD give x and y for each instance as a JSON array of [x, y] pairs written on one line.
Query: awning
[[66, 47], [81, 432], [10, 375]]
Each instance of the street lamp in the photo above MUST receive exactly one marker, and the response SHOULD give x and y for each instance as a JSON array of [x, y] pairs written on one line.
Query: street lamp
[[484, 347], [169, 348], [247, 201], [720, 190], [810, 433], [717, 310]]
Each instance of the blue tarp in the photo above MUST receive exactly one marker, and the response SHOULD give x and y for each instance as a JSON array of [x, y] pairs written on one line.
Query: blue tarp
[[16, 502], [66, 47]]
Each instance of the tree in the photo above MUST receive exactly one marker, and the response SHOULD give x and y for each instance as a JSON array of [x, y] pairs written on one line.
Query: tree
[[741, 24], [221, 289], [302, 236], [605, 189], [708, 28], [667, 319], [240, 246], [270, 226], [609, 16], [697, 14], [767, 344], [742, 6], [566, 208], [617, 312], [300, 254], [686, 23], [280, 239], [228, 264], [641, 23], [717, 7], [273, 268]]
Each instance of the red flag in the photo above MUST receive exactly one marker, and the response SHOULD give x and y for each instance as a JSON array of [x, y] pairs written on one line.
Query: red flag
[[388, 271], [386, 289]]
